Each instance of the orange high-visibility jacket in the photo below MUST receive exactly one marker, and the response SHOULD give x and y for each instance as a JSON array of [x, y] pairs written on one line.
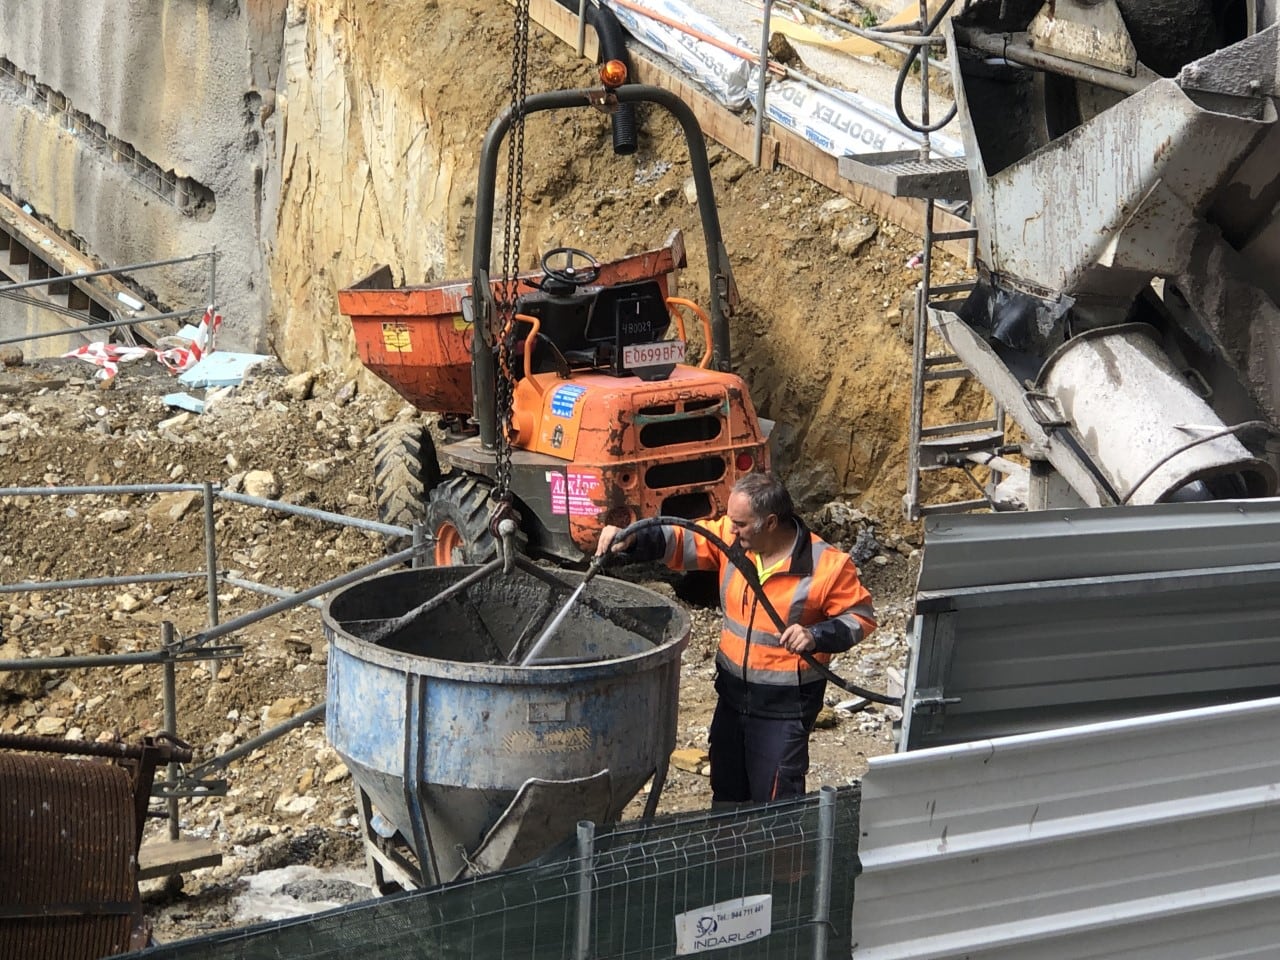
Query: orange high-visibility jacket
[[818, 588]]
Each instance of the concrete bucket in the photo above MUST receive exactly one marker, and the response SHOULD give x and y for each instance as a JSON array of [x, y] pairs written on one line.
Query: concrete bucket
[[465, 761]]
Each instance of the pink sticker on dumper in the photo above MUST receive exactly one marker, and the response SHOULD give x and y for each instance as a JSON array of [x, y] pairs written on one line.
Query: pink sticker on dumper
[[572, 493]]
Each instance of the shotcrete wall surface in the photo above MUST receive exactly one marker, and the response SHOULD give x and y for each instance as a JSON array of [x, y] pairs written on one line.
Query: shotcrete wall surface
[[106, 100]]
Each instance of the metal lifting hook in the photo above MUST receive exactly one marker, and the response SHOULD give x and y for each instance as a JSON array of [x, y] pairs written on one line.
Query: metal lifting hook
[[507, 543]]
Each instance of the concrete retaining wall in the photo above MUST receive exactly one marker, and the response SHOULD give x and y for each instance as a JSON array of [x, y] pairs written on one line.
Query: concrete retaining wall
[[170, 105]]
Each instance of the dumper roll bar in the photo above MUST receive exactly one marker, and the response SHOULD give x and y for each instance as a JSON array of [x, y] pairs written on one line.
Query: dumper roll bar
[[720, 275]]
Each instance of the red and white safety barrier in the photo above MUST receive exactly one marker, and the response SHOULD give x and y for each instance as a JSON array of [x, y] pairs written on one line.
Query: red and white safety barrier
[[109, 356]]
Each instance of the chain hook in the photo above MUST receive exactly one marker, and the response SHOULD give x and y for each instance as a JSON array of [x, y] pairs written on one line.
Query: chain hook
[[503, 527], [510, 280]]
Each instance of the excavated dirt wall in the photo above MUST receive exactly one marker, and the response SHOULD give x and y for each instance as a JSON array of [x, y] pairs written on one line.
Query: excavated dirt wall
[[314, 139], [386, 107]]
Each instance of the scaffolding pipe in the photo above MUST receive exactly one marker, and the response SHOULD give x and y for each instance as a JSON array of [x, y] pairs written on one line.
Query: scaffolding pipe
[[210, 565], [371, 525], [104, 325], [106, 272], [25, 664], [121, 581], [210, 555], [223, 760], [757, 148], [239, 623], [213, 275], [45, 305], [101, 490], [170, 721], [924, 91], [269, 591]]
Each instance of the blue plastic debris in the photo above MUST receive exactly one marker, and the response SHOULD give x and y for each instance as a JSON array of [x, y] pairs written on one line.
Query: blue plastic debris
[[185, 401], [220, 369]]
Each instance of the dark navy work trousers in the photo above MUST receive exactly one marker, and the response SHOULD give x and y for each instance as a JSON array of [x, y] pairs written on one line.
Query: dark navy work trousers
[[756, 758]]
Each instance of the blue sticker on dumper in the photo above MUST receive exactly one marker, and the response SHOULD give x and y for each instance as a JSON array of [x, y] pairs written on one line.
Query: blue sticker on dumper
[[565, 400]]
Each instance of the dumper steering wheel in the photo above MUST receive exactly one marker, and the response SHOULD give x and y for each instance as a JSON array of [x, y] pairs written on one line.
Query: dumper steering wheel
[[567, 273]]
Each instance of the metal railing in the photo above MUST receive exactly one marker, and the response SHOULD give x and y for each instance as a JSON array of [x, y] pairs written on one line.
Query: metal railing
[[173, 649], [13, 291]]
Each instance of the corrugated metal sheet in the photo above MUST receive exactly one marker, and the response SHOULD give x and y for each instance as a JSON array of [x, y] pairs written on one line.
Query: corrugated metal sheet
[[1033, 621], [966, 551], [68, 835], [1156, 838]]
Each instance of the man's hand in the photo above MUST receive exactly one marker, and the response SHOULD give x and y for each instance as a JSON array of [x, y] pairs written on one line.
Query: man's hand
[[797, 639], [607, 541]]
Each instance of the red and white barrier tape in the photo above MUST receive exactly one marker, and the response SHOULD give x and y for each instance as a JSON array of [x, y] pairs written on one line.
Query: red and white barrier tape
[[109, 356]]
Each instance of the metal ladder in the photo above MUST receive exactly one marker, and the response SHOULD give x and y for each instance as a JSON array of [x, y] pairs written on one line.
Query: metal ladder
[[935, 446], [947, 445], [944, 446]]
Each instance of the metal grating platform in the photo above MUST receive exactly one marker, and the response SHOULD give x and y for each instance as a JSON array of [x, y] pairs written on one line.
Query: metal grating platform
[[904, 174]]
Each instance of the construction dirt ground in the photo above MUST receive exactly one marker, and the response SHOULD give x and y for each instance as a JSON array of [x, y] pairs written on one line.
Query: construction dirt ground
[[821, 335]]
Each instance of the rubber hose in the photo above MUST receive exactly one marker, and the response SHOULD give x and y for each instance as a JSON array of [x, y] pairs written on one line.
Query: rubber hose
[[613, 46], [738, 558], [903, 73]]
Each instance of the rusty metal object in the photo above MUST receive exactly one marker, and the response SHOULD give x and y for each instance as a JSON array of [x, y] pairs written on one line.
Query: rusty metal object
[[138, 759], [167, 748], [68, 844]]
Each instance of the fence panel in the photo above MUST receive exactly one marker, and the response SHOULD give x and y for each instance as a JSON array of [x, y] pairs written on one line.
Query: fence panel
[[634, 880]]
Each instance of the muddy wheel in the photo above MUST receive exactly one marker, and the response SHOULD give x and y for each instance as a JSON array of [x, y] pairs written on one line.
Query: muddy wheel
[[458, 516], [405, 470]]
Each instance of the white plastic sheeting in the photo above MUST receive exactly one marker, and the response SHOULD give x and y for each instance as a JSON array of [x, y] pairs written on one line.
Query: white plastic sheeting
[[730, 79], [838, 121], [844, 124]]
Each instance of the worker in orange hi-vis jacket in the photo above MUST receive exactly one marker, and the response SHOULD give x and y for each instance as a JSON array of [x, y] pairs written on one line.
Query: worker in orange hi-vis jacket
[[769, 697]]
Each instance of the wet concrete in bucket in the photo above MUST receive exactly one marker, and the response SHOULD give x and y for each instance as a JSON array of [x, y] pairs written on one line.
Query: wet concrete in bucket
[[497, 620]]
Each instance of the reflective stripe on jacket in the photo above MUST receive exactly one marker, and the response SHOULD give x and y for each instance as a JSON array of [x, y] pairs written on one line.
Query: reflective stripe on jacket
[[818, 588]]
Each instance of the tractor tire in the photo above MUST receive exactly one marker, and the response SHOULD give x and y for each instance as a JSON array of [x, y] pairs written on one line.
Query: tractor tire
[[405, 470], [458, 516]]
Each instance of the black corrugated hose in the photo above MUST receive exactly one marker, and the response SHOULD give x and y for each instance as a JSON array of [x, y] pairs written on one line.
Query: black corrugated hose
[[613, 46], [905, 71], [737, 556]]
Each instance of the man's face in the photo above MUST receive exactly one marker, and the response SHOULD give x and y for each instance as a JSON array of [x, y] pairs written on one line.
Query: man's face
[[744, 522]]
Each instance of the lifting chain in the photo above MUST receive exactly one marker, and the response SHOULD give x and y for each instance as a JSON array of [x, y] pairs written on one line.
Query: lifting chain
[[501, 525]]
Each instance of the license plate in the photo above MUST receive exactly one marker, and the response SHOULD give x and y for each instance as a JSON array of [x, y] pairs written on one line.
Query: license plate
[[653, 354]]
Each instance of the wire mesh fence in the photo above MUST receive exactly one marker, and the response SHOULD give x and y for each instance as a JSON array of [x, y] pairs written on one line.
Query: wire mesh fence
[[632, 892]]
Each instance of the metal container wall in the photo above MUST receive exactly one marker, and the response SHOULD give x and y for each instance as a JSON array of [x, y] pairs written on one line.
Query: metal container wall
[[441, 740], [68, 842], [1132, 410], [413, 340]]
